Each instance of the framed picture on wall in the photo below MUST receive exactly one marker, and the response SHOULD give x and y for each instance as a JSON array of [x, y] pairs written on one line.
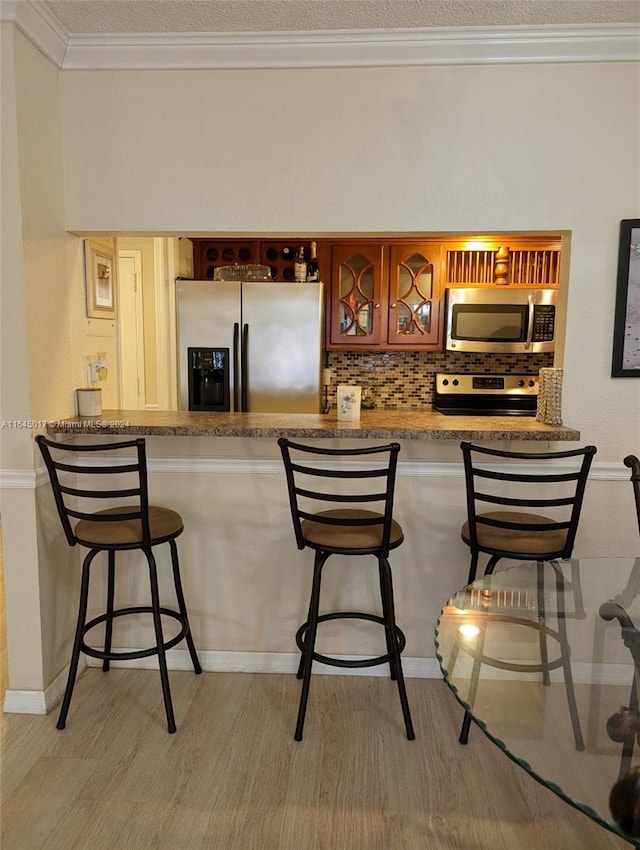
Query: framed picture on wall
[[626, 332], [100, 283]]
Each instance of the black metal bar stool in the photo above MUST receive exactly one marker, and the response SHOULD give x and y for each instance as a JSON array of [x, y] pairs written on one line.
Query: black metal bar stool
[[351, 530], [135, 525], [524, 536]]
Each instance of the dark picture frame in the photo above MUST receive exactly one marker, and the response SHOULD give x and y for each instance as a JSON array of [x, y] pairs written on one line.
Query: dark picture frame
[[626, 331]]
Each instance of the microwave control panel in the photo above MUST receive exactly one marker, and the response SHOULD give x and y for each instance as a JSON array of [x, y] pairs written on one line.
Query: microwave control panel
[[544, 319]]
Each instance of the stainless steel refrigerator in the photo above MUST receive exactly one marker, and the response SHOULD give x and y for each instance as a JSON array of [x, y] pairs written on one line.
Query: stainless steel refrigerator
[[249, 346]]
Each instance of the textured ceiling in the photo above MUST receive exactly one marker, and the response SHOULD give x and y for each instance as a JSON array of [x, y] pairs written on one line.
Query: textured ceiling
[[158, 16]]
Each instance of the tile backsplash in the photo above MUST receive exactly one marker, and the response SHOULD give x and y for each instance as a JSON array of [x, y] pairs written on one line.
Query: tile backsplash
[[406, 379]]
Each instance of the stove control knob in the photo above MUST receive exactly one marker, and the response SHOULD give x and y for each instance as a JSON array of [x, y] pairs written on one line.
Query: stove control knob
[[455, 382], [532, 383], [445, 382], [521, 383]]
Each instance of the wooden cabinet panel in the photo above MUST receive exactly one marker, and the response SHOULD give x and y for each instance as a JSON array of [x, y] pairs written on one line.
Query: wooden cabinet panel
[[509, 262], [385, 296], [358, 312], [414, 295]]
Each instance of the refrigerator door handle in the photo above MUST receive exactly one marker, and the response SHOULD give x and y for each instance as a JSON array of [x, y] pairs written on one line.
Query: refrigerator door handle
[[244, 368], [236, 342]]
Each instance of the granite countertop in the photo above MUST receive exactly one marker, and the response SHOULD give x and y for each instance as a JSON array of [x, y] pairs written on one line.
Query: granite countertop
[[376, 424]]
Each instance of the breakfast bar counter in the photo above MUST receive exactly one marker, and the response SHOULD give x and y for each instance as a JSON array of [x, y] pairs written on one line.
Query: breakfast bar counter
[[373, 424], [245, 582]]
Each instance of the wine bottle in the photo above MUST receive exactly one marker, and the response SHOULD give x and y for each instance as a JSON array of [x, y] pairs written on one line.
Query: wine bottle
[[300, 266], [313, 270]]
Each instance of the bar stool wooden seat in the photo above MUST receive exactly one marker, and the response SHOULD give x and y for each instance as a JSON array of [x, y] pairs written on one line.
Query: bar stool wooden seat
[[504, 482], [367, 479], [125, 527]]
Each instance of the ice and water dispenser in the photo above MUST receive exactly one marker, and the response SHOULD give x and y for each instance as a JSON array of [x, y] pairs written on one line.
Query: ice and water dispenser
[[208, 373]]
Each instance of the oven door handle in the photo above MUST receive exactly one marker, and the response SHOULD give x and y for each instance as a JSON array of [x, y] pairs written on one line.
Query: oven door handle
[[529, 339]]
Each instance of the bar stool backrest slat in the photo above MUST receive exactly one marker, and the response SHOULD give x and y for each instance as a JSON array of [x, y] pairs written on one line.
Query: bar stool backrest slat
[[70, 508]]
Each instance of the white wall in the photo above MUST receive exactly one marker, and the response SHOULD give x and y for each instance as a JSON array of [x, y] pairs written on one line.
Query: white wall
[[35, 341], [468, 148]]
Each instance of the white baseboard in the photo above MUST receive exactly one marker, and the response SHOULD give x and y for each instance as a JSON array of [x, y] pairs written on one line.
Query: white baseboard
[[40, 702], [273, 662]]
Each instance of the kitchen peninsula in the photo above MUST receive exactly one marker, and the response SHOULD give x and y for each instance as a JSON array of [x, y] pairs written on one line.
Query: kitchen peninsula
[[244, 579], [245, 582], [374, 424]]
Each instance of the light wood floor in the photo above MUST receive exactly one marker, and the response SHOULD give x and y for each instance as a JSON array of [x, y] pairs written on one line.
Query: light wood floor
[[4, 677], [233, 778]]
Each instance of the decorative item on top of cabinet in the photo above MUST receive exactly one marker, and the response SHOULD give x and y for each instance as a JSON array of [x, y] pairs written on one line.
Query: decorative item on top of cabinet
[[385, 296], [522, 262]]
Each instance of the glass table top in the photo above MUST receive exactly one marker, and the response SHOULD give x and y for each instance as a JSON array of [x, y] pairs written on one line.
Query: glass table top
[[578, 733]]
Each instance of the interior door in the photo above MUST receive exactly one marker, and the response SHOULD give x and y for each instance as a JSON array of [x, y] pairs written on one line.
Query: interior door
[[131, 330]]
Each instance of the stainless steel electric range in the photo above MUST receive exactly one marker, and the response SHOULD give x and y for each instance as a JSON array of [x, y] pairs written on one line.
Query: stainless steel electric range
[[486, 395]]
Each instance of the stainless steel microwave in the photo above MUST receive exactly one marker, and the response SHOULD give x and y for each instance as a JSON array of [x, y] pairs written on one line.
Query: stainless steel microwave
[[501, 320]]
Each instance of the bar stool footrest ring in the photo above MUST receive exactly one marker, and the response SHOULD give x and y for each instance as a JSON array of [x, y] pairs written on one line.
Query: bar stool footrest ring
[[340, 662], [138, 653]]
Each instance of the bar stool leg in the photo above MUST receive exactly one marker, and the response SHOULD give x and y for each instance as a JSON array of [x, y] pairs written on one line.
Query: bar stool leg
[[111, 585], [491, 565], [466, 720], [542, 625], [182, 606], [77, 642], [385, 568], [162, 657], [473, 566], [310, 640], [473, 687], [566, 660], [300, 671], [390, 637]]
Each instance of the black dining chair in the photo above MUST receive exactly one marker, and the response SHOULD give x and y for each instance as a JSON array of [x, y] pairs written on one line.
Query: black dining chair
[[516, 486], [624, 726], [331, 492], [633, 462], [79, 484]]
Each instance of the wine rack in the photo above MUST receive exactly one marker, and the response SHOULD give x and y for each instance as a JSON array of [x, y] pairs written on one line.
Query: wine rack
[[279, 255]]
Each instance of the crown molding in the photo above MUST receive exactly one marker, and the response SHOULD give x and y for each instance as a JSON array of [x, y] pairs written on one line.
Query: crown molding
[[323, 49], [362, 48], [35, 22]]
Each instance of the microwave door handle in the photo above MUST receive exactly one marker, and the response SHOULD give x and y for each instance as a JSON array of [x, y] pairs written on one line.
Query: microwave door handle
[[244, 368], [236, 374], [529, 323]]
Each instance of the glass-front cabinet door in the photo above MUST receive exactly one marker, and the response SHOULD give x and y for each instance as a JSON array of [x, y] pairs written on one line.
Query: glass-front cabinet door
[[414, 295], [358, 313]]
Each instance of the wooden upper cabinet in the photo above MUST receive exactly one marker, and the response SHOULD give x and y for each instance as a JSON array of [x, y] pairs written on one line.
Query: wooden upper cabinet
[[385, 296], [414, 296], [358, 313], [533, 262]]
